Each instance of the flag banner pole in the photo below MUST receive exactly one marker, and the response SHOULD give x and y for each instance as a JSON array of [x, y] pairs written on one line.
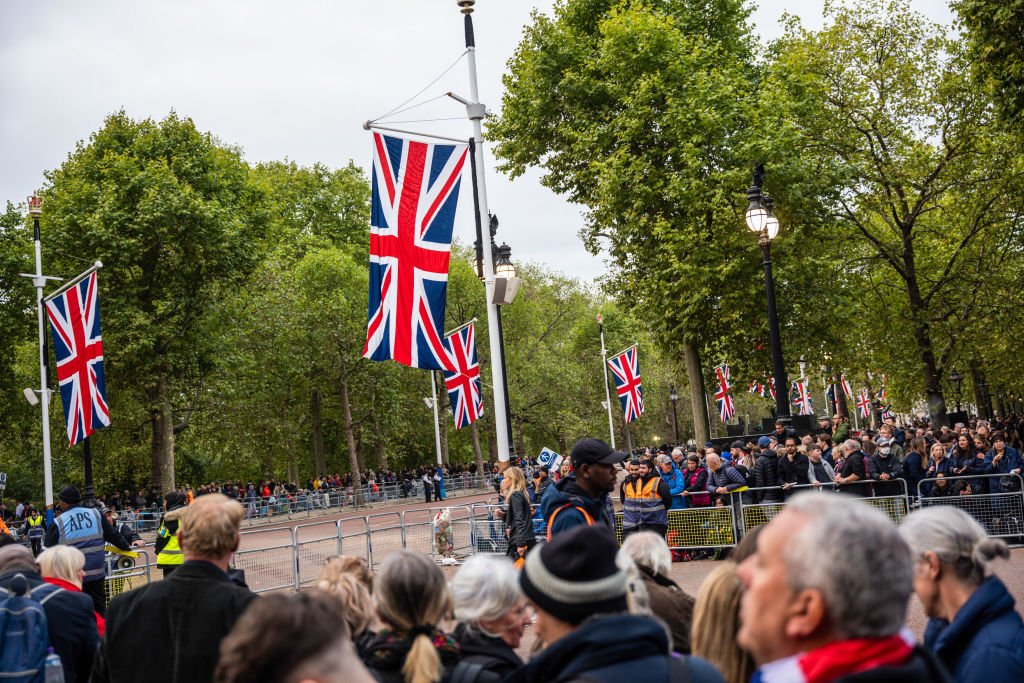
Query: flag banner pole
[[74, 281], [607, 389], [437, 423], [460, 328], [631, 346], [370, 125]]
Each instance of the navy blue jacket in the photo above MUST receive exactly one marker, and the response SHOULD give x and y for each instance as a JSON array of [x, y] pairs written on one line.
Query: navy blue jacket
[[621, 648], [567, 492], [985, 641]]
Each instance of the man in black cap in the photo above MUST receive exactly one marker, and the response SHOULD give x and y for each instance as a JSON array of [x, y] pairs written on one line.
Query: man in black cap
[[582, 497], [579, 595], [86, 529]]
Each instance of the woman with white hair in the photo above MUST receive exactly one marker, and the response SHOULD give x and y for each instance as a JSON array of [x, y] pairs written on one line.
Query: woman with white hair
[[666, 599], [492, 615], [64, 566], [973, 628]]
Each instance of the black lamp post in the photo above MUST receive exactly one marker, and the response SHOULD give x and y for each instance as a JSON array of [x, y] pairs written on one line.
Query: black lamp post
[[673, 396], [984, 399], [956, 381], [763, 223]]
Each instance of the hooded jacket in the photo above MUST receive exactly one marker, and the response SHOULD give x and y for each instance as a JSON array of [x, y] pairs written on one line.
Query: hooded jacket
[[621, 648], [676, 485], [985, 641], [766, 475], [566, 492]]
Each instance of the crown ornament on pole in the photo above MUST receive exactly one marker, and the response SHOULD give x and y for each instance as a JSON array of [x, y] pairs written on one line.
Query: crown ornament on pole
[[35, 206], [466, 6]]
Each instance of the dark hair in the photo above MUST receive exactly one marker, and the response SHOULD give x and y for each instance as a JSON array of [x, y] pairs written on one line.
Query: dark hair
[[278, 634]]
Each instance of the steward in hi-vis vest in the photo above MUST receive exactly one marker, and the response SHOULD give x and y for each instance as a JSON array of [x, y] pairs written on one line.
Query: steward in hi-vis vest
[[168, 551], [646, 499], [35, 530]]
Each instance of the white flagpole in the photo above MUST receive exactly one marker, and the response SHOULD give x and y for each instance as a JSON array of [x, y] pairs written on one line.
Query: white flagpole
[[856, 410], [437, 423], [475, 111], [604, 373]]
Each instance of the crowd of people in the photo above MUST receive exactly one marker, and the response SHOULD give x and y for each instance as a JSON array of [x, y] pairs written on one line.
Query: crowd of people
[[799, 598]]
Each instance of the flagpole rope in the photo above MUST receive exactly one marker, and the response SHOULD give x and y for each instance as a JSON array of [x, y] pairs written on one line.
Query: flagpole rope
[[415, 106], [446, 118], [424, 89]]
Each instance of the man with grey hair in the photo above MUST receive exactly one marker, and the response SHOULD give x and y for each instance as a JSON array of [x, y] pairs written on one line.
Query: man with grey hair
[[826, 596], [855, 469]]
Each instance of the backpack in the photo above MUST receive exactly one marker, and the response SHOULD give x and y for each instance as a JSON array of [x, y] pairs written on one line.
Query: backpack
[[24, 637]]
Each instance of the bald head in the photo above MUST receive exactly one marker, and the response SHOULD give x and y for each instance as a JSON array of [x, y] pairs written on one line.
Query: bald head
[[17, 557]]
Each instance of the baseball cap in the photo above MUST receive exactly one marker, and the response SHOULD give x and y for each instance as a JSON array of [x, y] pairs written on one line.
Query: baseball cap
[[764, 442], [592, 451], [738, 444]]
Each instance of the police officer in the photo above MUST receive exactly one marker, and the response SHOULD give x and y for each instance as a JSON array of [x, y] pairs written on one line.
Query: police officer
[[35, 529], [84, 528], [168, 551]]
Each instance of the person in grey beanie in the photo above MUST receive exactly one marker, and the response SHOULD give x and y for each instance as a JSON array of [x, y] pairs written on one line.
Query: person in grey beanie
[[578, 592]]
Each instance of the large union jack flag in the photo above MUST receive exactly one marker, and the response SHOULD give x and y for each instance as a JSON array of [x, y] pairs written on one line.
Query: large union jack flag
[[802, 398], [415, 194], [463, 384], [625, 369], [864, 403], [726, 407], [75, 327]]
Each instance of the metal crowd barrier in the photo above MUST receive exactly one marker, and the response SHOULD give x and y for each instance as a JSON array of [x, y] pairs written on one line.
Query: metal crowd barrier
[[126, 572], [996, 501]]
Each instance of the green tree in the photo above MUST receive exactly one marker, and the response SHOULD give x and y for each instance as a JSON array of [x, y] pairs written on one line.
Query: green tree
[[994, 30]]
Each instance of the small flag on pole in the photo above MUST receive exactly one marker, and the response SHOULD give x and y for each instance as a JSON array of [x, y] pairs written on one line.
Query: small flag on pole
[[463, 384]]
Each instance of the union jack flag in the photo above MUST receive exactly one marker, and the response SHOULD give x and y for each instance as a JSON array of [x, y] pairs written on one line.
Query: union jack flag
[[625, 369], [847, 389], [864, 404], [77, 344], [801, 398], [464, 383], [771, 387], [756, 388], [726, 408], [415, 192]]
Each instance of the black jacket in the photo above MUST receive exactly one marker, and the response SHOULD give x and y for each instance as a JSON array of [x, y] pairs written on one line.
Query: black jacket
[[766, 473], [384, 655], [623, 648], [494, 654], [565, 496], [518, 521], [793, 471], [71, 623], [170, 631]]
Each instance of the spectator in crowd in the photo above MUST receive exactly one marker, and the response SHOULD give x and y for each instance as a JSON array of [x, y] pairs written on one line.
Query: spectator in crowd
[[724, 480], [675, 480], [85, 529], [579, 593], [64, 566], [827, 592], [127, 531], [541, 481], [696, 478], [646, 499], [582, 498], [716, 621], [915, 462], [667, 600], [840, 428], [1005, 459], [350, 581], [518, 518], [290, 638], [885, 469], [854, 470], [973, 628], [70, 615], [819, 471], [492, 615], [940, 466], [412, 599], [170, 630], [792, 467], [766, 474]]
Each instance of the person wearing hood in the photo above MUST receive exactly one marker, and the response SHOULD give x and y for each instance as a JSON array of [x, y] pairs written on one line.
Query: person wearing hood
[[671, 475], [766, 473], [973, 627], [578, 592], [168, 551], [581, 499]]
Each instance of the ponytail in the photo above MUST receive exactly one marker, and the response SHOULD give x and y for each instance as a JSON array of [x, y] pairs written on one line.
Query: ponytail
[[422, 664]]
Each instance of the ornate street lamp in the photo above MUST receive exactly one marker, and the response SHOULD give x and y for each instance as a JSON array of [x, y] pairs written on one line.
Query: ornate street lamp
[[762, 222], [956, 381], [674, 397]]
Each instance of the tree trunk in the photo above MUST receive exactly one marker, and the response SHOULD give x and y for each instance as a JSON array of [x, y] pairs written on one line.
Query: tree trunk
[[381, 454], [293, 472], [350, 438], [318, 434], [522, 449], [922, 335], [698, 403], [360, 452], [161, 420], [442, 426], [977, 377], [841, 406], [477, 453], [492, 445]]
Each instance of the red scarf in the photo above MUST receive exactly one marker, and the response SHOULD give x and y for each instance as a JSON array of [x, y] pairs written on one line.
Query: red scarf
[[853, 656], [101, 623]]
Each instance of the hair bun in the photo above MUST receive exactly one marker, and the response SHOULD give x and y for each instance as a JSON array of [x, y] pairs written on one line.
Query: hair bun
[[987, 549]]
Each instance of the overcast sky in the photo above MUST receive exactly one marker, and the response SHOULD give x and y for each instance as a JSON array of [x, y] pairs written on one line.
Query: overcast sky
[[283, 79]]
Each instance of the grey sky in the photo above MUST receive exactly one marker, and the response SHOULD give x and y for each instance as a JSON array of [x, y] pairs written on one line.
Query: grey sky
[[282, 79]]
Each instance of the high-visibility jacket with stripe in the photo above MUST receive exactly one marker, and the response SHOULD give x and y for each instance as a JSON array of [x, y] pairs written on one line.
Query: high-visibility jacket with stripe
[[170, 554], [641, 503], [35, 526], [82, 528]]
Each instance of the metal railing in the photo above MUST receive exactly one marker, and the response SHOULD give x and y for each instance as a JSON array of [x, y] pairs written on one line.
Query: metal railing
[[996, 501]]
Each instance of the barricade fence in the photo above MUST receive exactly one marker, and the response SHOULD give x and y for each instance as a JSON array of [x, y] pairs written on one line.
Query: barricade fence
[[996, 501]]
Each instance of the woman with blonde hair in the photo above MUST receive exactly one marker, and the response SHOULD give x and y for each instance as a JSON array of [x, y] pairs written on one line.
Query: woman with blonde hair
[[350, 580], [518, 520], [64, 566], [412, 598], [716, 620]]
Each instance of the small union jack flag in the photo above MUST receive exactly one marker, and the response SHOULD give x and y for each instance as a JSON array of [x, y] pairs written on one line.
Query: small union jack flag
[[864, 404], [77, 344], [756, 388], [415, 190], [771, 387], [801, 398], [726, 407], [625, 369], [464, 384], [847, 389]]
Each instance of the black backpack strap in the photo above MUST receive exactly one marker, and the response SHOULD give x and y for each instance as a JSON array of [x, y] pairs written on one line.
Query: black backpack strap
[[467, 672], [679, 670]]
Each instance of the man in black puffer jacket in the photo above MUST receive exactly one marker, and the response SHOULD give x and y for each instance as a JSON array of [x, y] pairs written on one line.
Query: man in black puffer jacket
[[590, 636], [766, 473]]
